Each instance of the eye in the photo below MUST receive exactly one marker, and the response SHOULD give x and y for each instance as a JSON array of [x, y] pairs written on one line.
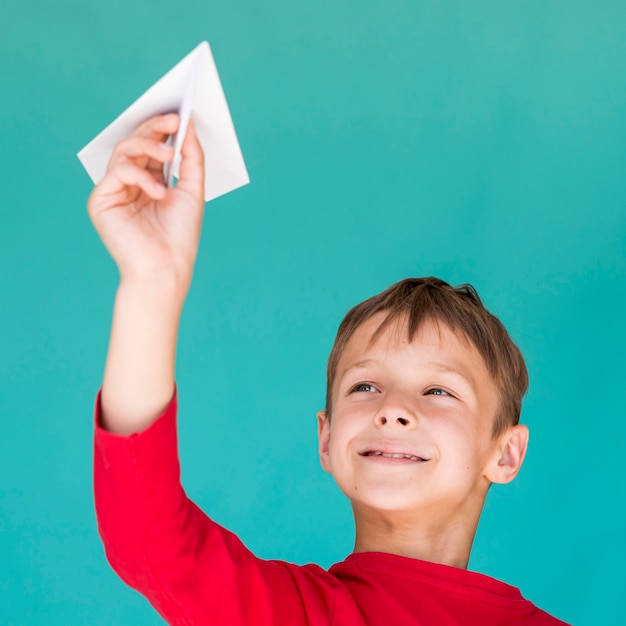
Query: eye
[[437, 391], [366, 387]]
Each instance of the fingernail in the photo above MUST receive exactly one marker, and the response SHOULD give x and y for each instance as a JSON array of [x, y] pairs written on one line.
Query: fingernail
[[171, 117], [165, 147]]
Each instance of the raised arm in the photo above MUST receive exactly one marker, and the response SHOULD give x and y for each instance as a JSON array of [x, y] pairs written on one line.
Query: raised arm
[[160, 543], [152, 233]]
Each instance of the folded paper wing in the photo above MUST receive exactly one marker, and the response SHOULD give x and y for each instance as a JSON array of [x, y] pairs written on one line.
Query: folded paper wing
[[193, 89]]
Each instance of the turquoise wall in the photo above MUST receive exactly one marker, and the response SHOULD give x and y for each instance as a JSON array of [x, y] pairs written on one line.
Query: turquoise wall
[[482, 142]]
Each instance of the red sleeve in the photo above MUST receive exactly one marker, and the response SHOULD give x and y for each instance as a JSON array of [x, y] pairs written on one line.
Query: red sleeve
[[161, 544]]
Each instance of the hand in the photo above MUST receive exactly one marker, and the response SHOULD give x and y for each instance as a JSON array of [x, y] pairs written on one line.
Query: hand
[[151, 231]]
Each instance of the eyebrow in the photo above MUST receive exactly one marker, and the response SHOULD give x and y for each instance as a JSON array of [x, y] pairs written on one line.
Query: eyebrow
[[441, 367], [355, 366], [448, 369]]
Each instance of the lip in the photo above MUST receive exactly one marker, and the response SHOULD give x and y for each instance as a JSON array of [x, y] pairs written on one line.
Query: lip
[[391, 453]]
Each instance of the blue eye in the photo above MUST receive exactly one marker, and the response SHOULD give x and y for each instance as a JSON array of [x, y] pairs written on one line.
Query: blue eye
[[435, 391], [366, 387]]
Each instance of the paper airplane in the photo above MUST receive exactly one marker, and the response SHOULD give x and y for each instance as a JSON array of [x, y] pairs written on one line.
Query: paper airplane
[[193, 89]]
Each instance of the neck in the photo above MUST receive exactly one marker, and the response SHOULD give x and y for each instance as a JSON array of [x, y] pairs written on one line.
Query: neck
[[418, 536]]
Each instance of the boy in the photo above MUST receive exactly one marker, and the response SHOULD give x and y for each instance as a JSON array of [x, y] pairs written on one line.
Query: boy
[[423, 400]]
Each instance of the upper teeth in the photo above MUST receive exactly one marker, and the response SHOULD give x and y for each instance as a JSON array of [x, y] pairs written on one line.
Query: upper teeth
[[394, 455]]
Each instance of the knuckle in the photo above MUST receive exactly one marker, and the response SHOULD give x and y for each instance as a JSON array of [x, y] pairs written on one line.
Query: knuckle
[[120, 150]]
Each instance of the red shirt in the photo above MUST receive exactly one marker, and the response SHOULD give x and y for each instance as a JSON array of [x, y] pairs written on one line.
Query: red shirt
[[193, 571]]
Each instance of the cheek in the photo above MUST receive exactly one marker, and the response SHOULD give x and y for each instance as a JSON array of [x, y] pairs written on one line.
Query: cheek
[[339, 440], [456, 444], [342, 433], [347, 421]]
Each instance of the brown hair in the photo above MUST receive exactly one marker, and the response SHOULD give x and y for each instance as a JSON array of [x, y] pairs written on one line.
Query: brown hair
[[459, 308]]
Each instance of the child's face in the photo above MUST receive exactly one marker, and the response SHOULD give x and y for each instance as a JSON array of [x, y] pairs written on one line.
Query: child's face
[[412, 423]]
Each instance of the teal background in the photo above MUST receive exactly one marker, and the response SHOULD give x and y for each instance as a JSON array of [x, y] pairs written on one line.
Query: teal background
[[481, 142]]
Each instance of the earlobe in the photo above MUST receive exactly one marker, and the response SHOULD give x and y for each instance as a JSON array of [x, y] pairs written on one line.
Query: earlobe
[[323, 438], [511, 452]]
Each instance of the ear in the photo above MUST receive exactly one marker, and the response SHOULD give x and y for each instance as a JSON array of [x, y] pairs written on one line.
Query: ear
[[323, 438], [509, 456]]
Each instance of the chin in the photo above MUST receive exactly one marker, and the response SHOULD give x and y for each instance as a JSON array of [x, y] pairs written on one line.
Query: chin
[[388, 503]]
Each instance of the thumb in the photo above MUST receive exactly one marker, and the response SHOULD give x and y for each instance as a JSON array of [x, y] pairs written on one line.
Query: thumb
[[192, 164]]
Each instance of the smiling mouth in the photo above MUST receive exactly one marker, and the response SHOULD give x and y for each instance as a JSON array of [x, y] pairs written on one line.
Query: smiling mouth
[[392, 455]]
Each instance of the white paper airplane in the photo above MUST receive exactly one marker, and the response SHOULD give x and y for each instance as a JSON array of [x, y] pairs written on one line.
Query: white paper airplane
[[193, 89]]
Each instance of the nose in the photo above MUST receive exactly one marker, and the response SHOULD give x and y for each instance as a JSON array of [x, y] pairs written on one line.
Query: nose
[[395, 413], [383, 420]]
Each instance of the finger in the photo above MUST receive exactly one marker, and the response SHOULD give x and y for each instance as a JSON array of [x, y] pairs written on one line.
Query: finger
[[192, 164], [135, 147], [128, 175], [158, 125]]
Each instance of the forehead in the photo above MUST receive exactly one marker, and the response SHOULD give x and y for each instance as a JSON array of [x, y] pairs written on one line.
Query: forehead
[[433, 342]]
